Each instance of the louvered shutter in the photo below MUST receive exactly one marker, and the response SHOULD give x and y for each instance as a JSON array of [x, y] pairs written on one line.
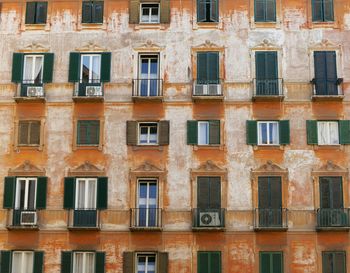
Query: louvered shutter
[[284, 132], [165, 11], [9, 192], [30, 12], [66, 262], [163, 262], [277, 262], [41, 13], [339, 262], [86, 12], [328, 10], [271, 65], [320, 72], [259, 10], [311, 129], [214, 11], [74, 67], [336, 193], [17, 66], [102, 193], [213, 67], [201, 11], [164, 132], [69, 193], [317, 8], [48, 67], [131, 132], [97, 12], [134, 10], [331, 72], [34, 132], [5, 262], [252, 132], [215, 192], [38, 264], [203, 192], [41, 192], [215, 262], [100, 262], [128, 262], [263, 192], [327, 262], [192, 132], [275, 189], [202, 262], [214, 132], [344, 131], [202, 67], [270, 11], [265, 266], [325, 193], [106, 66], [260, 65]]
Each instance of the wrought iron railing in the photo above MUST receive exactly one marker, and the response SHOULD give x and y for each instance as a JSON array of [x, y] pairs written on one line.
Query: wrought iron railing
[[333, 217], [31, 89], [208, 218], [271, 218], [267, 87], [145, 218], [84, 218], [147, 87], [207, 87], [327, 87], [91, 88]]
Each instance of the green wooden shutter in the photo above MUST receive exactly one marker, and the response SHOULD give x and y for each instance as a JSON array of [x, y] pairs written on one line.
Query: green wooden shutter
[[271, 65], [30, 13], [252, 132], [192, 132], [202, 262], [265, 266], [270, 11], [213, 67], [202, 67], [86, 12], [88, 132], [17, 67], [331, 71], [215, 262], [102, 193], [5, 262], [131, 132], [260, 65], [100, 262], [275, 189], [214, 11], [320, 65], [328, 11], [66, 262], [203, 192], [344, 131], [339, 262], [41, 13], [263, 192], [201, 11], [215, 192], [317, 10], [134, 10], [106, 67], [128, 262], [163, 262], [69, 192], [325, 192], [48, 67], [259, 10], [164, 132], [311, 129], [38, 262], [284, 132], [277, 262], [336, 191], [327, 258], [165, 11], [214, 132], [41, 192], [74, 67], [97, 12], [9, 192]]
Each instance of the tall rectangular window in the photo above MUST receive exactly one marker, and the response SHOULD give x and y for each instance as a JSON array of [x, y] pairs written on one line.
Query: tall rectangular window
[[326, 79], [322, 11], [22, 262], [84, 262], [207, 11], [28, 133], [266, 73], [86, 193], [147, 203], [208, 67], [33, 69], [88, 132], [328, 132], [209, 262], [268, 133], [265, 10], [333, 262], [90, 71], [149, 83], [36, 13], [271, 262], [92, 12], [25, 193]]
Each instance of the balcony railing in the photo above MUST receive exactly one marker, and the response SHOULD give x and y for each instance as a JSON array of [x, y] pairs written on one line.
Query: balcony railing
[[208, 218], [91, 89], [333, 218], [207, 88], [84, 219], [23, 218], [270, 218], [147, 88], [30, 90], [145, 218], [327, 87], [268, 87]]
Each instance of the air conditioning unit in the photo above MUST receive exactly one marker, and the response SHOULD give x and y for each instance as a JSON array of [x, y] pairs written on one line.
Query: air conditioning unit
[[93, 91], [214, 89], [28, 218], [35, 91], [200, 89], [209, 219], [207, 89]]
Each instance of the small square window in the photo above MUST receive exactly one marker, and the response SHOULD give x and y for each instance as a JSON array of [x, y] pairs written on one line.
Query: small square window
[[146, 263], [88, 132], [149, 13], [84, 262], [328, 133], [148, 133], [29, 133], [36, 13], [268, 133]]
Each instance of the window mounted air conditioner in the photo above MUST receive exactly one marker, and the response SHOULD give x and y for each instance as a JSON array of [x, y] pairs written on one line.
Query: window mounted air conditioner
[[214, 89], [28, 218], [209, 219], [93, 91], [200, 89], [35, 91], [207, 89]]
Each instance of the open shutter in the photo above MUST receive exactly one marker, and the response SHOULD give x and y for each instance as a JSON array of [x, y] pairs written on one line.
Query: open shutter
[[192, 132], [5, 262], [214, 11], [69, 189], [41, 13], [17, 67], [134, 10], [131, 132], [74, 67], [202, 67], [41, 192], [328, 11], [252, 132], [102, 193], [259, 10], [317, 10], [128, 262], [265, 266], [9, 192], [202, 261], [30, 13], [263, 192], [344, 131], [38, 262], [97, 12], [164, 132], [214, 132], [100, 262], [284, 132], [48, 67], [86, 12], [163, 262], [165, 11], [106, 67], [270, 11], [203, 192], [201, 10], [215, 192], [311, 128], [215, 262], [66, 262], [277, 262], [213, 67]]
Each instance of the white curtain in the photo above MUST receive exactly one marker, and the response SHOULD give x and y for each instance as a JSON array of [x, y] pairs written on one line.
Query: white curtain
[[28, 262], [323, 132], [274, 134], [16, 262], [91, 197], [81, 194], [28, 66], [96, 67], [333, 133], [78, 262], [90, 263], [38, 67]]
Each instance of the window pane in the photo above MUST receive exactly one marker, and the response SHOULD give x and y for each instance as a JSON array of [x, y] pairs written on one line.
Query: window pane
[[263, 133], [143, 134], [28, 66], [28, 262], [22, 194], [96, 67], [91, 197], [322, 128], [81, 194], [38, 69], [203, 135], [16, 262], [85, 71], [154, 68], [333, 133], [273, 133], [90, 263], [153, 134], [151, 264], [141, 265], [31, 194], [78, 263]]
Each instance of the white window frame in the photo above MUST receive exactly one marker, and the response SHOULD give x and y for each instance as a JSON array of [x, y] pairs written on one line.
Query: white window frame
[[35, 57], [148, 133], [84, 253], [86, 192], [148, 181], [207, 133], [149, 21], [90, 63], [23, 268], [268, 133], [147, 255], [26, 191], [149, 77], [328, 132]]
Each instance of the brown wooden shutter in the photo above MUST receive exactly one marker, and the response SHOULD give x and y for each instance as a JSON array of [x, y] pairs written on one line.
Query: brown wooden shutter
[[165, 11], [34, 132], [203, 192], [23, 129], [131, 132], [134, 10], [214, 132], [164, 132], [128, 262], [163, 262], [215, 192]]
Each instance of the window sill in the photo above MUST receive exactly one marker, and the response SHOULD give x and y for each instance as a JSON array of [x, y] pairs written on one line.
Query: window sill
[[35, 26], [337, 147], [88, 147], [208, 147], [149, 26], [268, 147], [275, 24], [29, 147], [208, 25], [147, 147], [92, 26], [331, 24]]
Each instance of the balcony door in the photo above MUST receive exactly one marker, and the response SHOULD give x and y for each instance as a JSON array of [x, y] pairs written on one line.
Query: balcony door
[[266, 72], [85, 202], [148, 82], [147, 203]]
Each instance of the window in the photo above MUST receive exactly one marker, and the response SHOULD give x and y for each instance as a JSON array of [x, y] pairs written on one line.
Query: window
[[207, 11], [209, 262], [33, 69], [147, 203], [208, 67], [331, 192], [328, 132], [333, 262], [149, 13], [209, 192], [203, 132], [92, 12], [271, 262], [266, 73], [146, 263], [148, 133], [90, 68], [25, 193], [29, 133], [322, 11], [84, 262], [88, 132], [36, 13], [149, 83], [265, 10], [268, 132], [86, 193], [22, 262]]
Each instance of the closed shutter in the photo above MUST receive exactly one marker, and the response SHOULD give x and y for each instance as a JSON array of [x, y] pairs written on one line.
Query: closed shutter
[[41, 13], [328, 11], [86, 12], [203, 192], [327, 262], [265, 266], [5, 262], [344, 131], [202, 67], [134, 10], [317, 10], [100, 262], [41, 192], [320, 66], [284, 132], [214, 11], [131, 132], [270, 11], [192, 132], [214, 132], [325, 193], [38, 261], [263, 192], [165, 11], [213, 67], [66, 262], [201, 11], [331, 68], [339, 262], [215, 193], [69, 193], [30, 13], [23, 132], [311, 130], [9, 192], [275, 192], [88, 132], [97, 12], [164, 132], [74, 67], [336, 193], [215, 262], [203, 262], [271, 65], [260, 65], [163, 262], [277, 262], [102, 193], [106, 67], [17, 66], [48, 67], [34, 133], [259, 10], [128, 262], [252, 132]]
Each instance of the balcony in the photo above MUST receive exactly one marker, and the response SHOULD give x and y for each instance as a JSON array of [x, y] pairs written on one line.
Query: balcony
[[28, 91], [22, 219], [270, 219], [91, 91], [84, 219], [149, 219], [147, 90], [333, 219], [327, 90], [207, 90], [208, 219], [268, 89]]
